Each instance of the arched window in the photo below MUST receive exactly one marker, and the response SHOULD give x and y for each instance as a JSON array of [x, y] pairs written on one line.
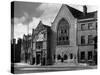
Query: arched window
[[71, 56], [65, 57], [58, 57], [63, 32]]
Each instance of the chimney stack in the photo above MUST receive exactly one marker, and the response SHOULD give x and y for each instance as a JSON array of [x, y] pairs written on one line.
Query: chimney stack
[[85, 10]]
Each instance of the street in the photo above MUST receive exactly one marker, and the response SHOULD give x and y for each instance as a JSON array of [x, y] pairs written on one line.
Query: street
[[35, 69]]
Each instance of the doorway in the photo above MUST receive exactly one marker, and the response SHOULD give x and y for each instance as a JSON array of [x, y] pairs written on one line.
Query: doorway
[[38, 58], [44, 61]]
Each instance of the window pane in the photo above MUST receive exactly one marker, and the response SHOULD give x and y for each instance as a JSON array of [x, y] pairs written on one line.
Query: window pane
[[59, 38], [90, 26], [82, 39], [63, 38], [90, 39], [71, 56], [89, 55], [58, 57], [82, 55], [65, 57], [66, 37], [82, 26]]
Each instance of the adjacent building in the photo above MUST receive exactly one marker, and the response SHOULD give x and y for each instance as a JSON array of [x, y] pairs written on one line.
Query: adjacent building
[[41, 45], [86, 34], [16, 50], [26, 48]]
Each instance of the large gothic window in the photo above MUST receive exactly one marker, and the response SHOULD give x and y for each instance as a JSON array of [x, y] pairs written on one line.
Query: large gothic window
[[63, 32]]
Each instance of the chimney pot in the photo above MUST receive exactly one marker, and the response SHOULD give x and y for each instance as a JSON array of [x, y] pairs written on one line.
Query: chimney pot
[[85, 9]]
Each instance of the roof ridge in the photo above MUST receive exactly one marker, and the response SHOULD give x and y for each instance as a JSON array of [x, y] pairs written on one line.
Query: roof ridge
[[75, 12], [93, 12], [46, 25], [73, 8]]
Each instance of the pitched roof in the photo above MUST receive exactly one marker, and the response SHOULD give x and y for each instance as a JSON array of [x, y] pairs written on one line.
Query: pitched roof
[[89, 15], [80, 15], [41, 24], [46, 26], [40, 27], [76, 13]]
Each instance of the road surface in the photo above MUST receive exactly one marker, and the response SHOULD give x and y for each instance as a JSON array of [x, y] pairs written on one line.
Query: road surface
[[33, 69]]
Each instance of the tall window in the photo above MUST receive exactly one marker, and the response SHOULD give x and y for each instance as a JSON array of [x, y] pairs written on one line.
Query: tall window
[[71, 56], [90, 26], [82, 40], [82, 55], [63, 32], [82, 26], [90, 39], [58, 57], [89, 55], [65, 57]]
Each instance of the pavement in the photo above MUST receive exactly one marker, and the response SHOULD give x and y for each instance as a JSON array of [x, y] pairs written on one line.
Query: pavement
[[26, 68]]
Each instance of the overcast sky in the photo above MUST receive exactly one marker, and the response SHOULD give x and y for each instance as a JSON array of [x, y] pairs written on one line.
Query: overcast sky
[[27, 13]]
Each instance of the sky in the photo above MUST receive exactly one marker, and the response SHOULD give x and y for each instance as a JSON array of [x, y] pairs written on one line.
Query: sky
[[29, 14]]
